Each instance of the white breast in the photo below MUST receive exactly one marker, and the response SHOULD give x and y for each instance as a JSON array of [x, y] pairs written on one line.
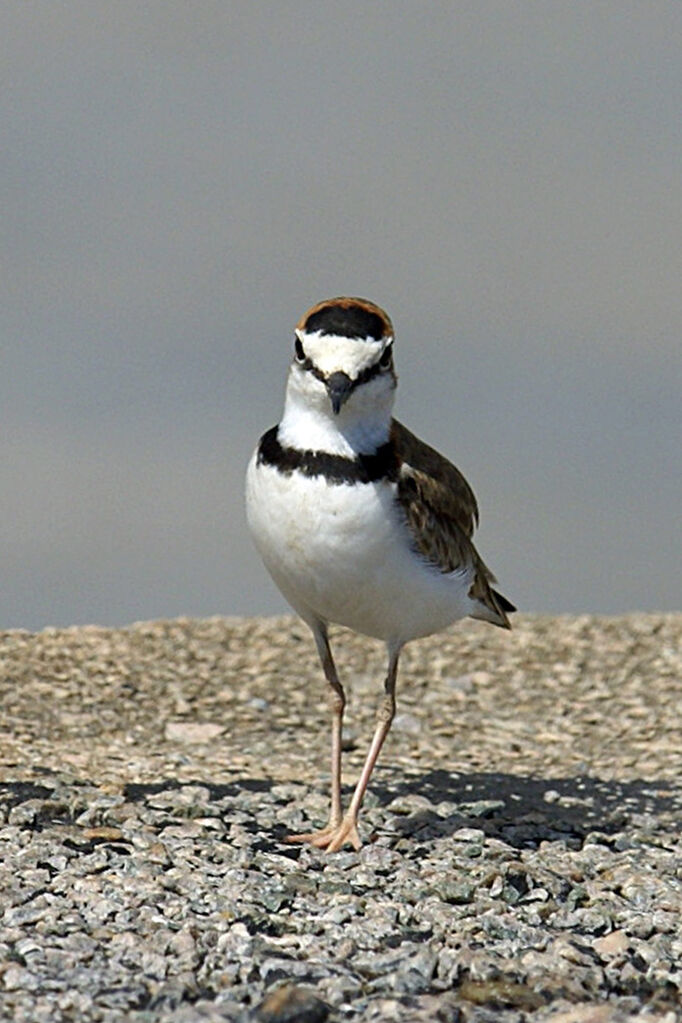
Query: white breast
[[342, 553]]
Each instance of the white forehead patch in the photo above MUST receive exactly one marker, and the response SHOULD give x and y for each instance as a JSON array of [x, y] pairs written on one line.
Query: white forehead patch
[[333, 354]]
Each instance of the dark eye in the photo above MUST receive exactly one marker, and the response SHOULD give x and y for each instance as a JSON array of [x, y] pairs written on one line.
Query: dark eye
[[386, 357], [298, 350]]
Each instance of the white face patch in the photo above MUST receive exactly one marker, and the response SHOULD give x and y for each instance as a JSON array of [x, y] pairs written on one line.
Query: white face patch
[[362, 422], [332, 354]]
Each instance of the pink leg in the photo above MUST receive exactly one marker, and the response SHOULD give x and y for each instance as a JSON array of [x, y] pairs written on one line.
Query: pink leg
[[348, 829], [334, 836], [338, 702]]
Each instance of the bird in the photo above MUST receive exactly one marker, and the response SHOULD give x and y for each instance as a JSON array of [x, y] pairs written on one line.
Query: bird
[[359, 522]]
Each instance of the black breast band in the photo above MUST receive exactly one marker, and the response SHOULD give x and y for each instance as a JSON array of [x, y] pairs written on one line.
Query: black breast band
[[337, 469]]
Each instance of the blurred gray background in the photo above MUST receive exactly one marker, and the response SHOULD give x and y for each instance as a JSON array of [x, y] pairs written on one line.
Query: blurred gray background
[[180, 181]]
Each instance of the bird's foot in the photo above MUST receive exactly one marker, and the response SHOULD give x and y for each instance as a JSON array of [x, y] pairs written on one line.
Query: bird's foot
[[333, 836]]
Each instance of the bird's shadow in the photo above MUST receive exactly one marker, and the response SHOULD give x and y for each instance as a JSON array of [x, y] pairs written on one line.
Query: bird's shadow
[[521, 811], [524, 811]]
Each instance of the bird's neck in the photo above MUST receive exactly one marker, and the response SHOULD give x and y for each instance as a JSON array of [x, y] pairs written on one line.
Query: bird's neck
[[352, 431]]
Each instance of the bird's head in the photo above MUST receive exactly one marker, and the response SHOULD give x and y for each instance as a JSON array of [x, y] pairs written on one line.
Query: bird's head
[[343, 359]]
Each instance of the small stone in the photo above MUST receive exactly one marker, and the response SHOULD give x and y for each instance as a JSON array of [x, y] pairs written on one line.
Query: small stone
[[586, 1012], [291, 1004], [408, 723], [193, 732], [455, 892], [27, 946], [468, 835], [153, 965], [577, 897], [501, 992], [482, 808], [463, 684], [497, 886], [157, 853], [102, 834], [611, 945], [24, 814], [665, 922], [332, 887], [22, 915], [409, 803], [537, 895], [273, 899], [16, 978]]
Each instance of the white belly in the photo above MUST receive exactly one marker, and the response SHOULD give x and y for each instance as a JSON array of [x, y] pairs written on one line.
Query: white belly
[[342, 554]]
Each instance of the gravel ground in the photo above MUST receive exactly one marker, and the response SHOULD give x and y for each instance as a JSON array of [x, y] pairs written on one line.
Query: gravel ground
[[523, 858]]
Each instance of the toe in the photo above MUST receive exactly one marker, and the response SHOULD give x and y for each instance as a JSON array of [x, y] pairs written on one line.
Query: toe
[[346, 832], [333, 837], [320, 839]]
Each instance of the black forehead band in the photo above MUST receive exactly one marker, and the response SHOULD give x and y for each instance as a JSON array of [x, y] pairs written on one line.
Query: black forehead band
[[346, 321]]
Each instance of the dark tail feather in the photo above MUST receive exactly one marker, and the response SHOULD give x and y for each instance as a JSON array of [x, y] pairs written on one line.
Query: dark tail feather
[[492, 607], [503, 603], [503, 607]]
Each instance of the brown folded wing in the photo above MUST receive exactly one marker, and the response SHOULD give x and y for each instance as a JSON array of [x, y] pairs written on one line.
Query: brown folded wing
[[441, 513]]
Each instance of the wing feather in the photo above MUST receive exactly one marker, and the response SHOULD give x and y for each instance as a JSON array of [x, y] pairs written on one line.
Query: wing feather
[[441, 513]]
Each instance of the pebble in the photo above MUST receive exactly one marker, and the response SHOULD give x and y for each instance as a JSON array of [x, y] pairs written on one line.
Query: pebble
[[505, 878], [290, 1004]]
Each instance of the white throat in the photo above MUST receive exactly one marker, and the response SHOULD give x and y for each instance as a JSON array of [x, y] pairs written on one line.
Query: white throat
[[360, 426]]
